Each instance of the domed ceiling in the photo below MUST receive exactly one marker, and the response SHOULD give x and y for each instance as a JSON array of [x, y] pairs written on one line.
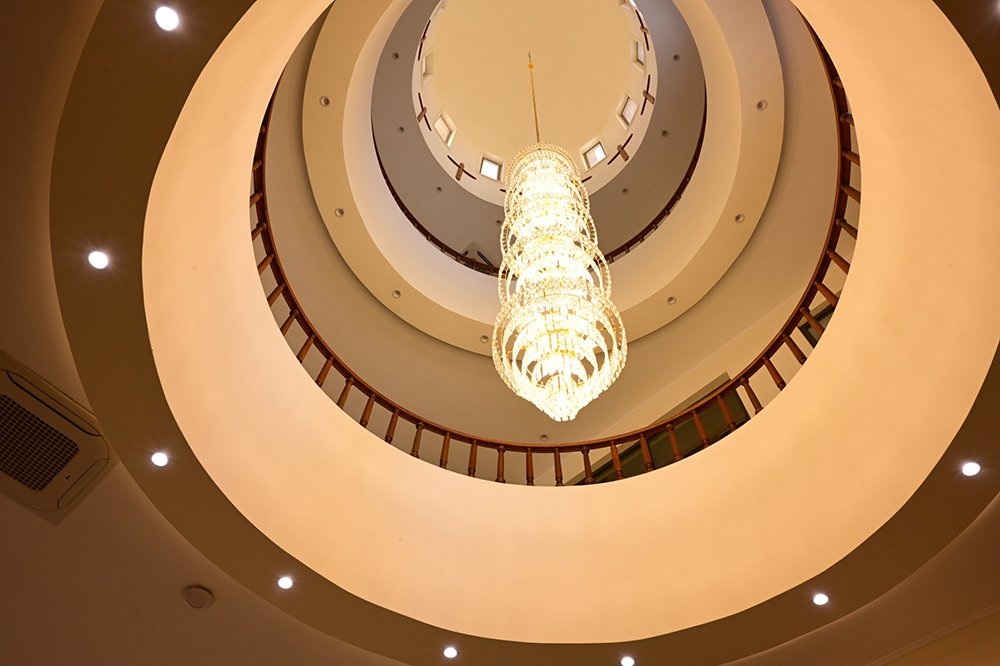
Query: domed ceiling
[[459, 68]]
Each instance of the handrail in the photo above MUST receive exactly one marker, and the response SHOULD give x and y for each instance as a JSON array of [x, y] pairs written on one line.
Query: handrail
[[610, 257], [636, 438]]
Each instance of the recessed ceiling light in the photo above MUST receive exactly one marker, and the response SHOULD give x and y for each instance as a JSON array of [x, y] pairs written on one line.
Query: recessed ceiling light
[[397, 293], [285, 582], [971, 468], [160, 459], [628, 661], [98, 259], [450, 652], [821, 599], [484, 338], [167, 18]]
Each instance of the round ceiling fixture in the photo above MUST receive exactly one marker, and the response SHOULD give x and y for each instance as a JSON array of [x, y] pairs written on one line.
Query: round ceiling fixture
[[167, 18], [197, 597], [450, 652], [98, 259], [971, 468], [285, 583], [821, 599], [160, 459]]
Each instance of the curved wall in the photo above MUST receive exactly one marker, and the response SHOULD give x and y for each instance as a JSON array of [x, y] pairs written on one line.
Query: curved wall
[[819, 486]]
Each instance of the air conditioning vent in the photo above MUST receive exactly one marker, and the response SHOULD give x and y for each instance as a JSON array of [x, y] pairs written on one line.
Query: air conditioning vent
[[31, 452], [51, 450]]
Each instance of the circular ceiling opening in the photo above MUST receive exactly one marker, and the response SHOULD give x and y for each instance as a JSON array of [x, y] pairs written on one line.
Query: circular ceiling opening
[[593, 63]]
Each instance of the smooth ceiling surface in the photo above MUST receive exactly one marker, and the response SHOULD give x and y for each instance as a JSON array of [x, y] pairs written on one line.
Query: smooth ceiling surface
[[810, 516], [582, 55], [719, 335], [459, 218], [69, 605]]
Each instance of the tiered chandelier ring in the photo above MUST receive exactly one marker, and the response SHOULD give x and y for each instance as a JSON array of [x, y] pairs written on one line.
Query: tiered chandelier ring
[[558, 340]]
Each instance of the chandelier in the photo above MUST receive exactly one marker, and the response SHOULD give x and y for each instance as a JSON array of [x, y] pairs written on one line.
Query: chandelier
[[558, 340]]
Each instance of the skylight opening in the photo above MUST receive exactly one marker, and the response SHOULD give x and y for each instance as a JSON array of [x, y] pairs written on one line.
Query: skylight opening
[[490, 168], [627, 113], [593, 155], [445, 129], [639, 53]]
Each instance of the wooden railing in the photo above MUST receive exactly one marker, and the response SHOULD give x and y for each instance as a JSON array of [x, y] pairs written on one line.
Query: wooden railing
[[644, 449], [610, 257]]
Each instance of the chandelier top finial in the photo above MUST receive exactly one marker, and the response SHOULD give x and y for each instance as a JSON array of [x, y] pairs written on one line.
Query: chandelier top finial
[[534, 105]]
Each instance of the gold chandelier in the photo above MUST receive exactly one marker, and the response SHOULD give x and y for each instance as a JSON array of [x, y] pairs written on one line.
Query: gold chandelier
[[558, 340]]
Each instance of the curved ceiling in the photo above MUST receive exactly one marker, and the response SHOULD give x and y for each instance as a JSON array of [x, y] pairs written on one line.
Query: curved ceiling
[[706, 231], [717, 337], [866, 314], [426, 182]]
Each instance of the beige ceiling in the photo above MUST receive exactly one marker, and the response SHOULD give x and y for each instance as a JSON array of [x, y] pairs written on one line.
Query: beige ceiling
[[109, 575], [581, 50]]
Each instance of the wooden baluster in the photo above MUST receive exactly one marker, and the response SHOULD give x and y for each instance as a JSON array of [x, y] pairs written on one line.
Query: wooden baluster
[[852, 157], [839, 260], [726, 414], [673, 442], [559, 474], [343, 394], [794, 348], [472, 458], [391, 430], [587, 469], [415, 451], [321, 379], [701, 430], [256, 165], [808, 316], [255, 197], [773, 371], [852, 192], [367, 414], [830, 297], [617, 461], [848, 227], [257, 229], [529, 467], [264, 263], [847, 118], [500, 452], [443, 462], [273, 296], [292, 316], [306, 346], [745, 383], [647, 456]]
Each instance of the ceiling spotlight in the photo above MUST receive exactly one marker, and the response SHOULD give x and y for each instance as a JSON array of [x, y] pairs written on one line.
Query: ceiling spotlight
[[821, 599], [628, 661], [285, 582], [98, 259], [160, 459], [971, 468], [450, 652], [167, 18]]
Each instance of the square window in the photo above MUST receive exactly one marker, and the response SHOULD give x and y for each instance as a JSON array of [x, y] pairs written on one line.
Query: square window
[[594, 155], [490, 168], [640, 53], [628, 110], [427, 65], [444, 129]]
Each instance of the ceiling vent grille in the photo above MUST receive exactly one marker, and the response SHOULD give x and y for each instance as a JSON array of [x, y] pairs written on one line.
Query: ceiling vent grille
[[51, 449], [31, 452]]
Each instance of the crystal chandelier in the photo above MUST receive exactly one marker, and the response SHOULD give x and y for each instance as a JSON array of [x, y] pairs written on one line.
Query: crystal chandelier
[[558, 340]]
